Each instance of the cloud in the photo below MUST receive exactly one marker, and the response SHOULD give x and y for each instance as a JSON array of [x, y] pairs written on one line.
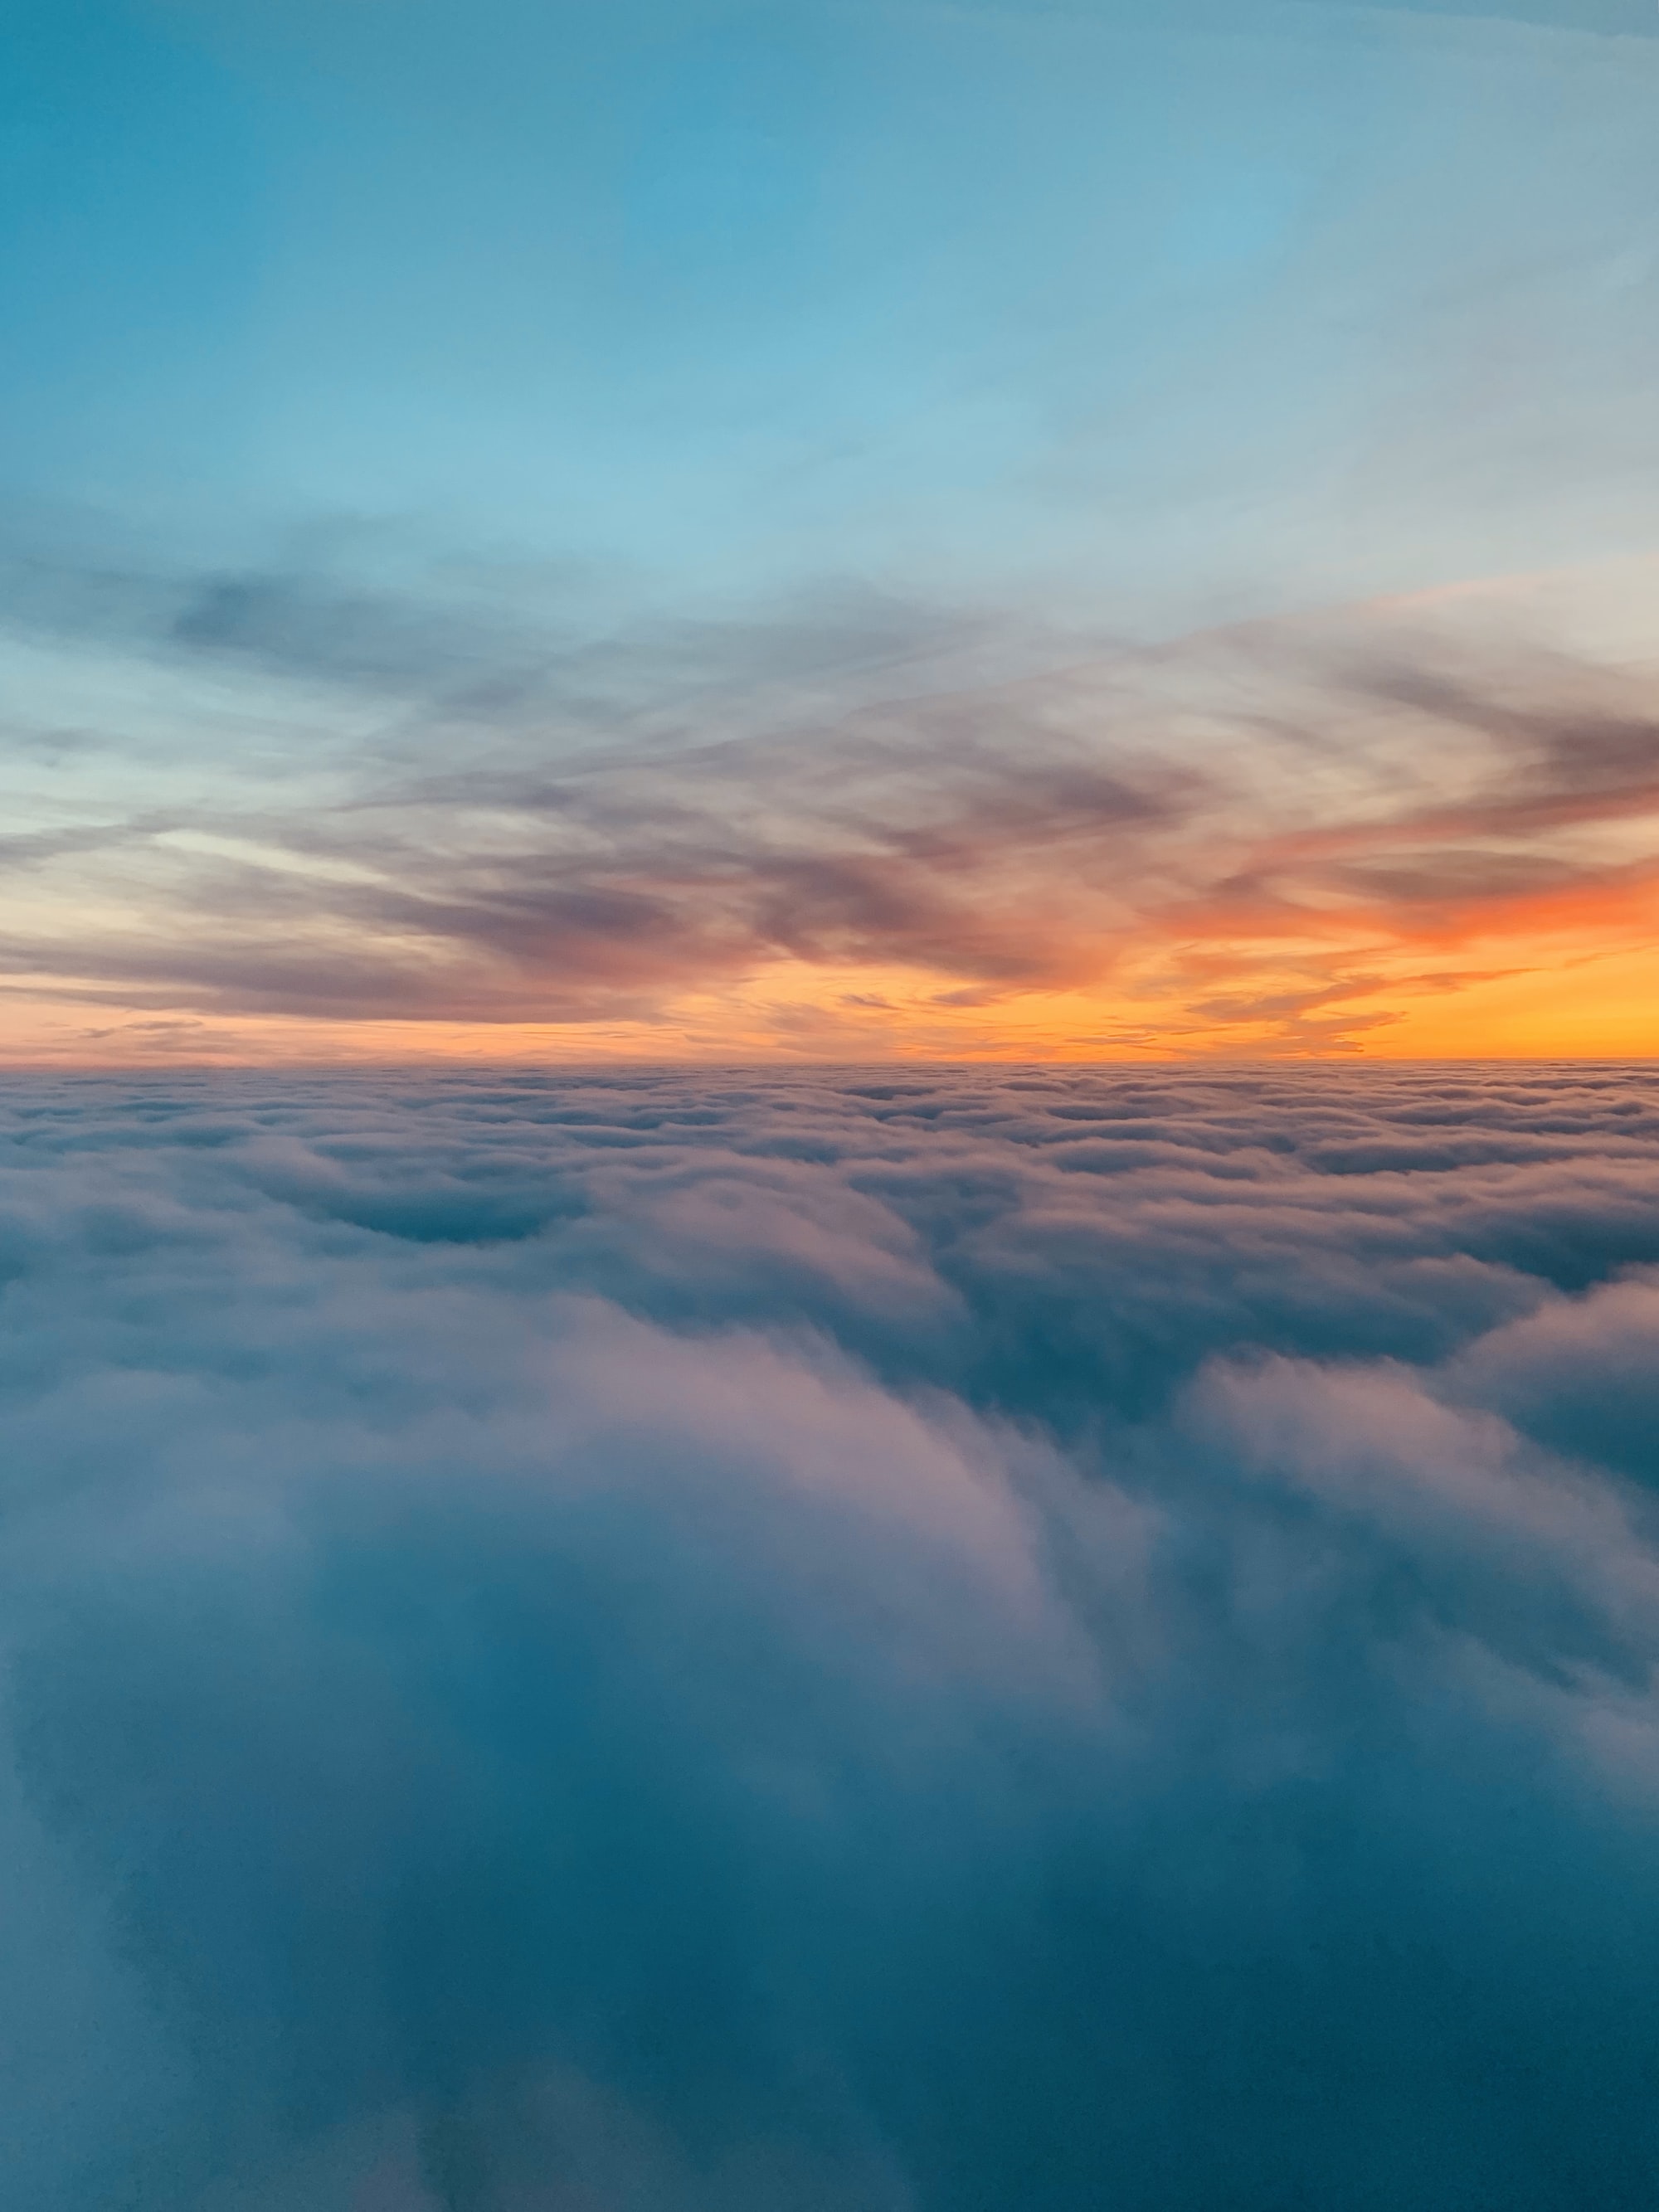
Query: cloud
[[1278, 834], [1582, 1375], [923, 1639]]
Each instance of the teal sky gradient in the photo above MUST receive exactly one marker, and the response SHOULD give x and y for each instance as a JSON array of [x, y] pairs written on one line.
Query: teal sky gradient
[[1150, 313]]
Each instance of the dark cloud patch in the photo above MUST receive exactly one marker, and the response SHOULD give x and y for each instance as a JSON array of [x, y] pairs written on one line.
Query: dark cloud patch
[[1576, 760], [296, 628], [486, 644], [955, 1641]]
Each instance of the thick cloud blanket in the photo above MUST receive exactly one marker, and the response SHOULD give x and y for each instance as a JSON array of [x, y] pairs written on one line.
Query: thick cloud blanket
[[1013, 1641]]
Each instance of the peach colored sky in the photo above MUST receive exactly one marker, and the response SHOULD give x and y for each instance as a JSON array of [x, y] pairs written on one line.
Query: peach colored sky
[[1426, 827]]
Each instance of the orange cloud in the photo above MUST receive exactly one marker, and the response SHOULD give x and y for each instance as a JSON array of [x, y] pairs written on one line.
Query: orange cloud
[[1376, 833]]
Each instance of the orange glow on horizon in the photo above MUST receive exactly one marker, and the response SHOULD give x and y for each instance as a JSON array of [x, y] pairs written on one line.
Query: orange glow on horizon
[[1235, 849], [1579, 980]]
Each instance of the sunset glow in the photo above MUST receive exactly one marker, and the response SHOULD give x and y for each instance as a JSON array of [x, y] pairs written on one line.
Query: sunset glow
[[1419, 829]]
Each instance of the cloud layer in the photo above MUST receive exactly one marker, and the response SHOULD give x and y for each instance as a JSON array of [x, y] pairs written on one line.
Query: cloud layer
[[956, 1641], [818, 829]]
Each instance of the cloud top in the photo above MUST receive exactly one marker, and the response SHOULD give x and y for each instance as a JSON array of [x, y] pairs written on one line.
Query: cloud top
[[932, 1639]]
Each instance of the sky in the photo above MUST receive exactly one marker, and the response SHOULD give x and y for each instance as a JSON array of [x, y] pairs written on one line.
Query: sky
[[936, 1640], [827, 532]]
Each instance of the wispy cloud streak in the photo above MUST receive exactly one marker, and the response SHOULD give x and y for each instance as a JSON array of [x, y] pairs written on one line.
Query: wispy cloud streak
[[1256, 833]]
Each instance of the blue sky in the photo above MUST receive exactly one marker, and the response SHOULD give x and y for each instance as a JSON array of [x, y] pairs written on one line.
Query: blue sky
[[1152, 313]]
